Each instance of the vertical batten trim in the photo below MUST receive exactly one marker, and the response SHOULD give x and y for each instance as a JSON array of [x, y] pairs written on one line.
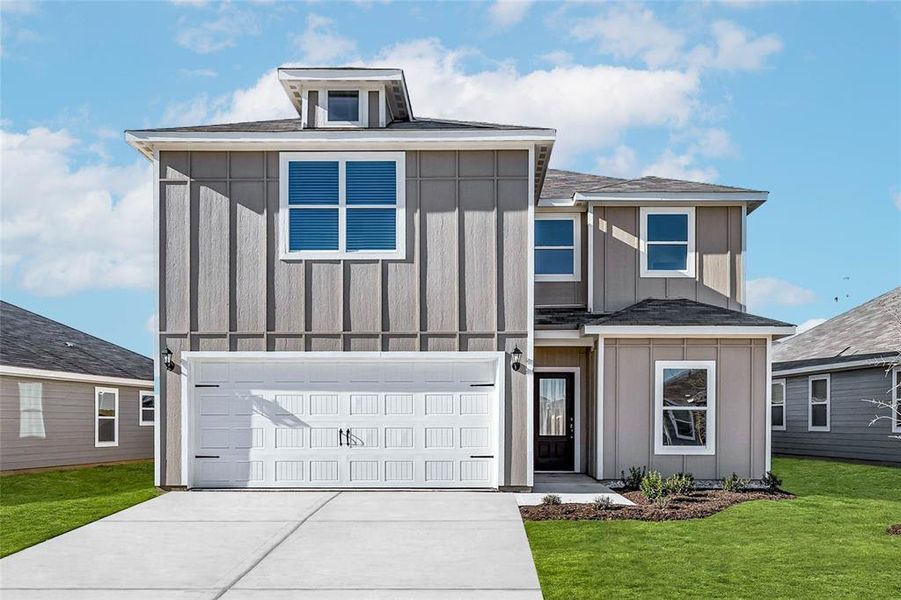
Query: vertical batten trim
[[157, 387], [599, 409], [768, 456], [590, 258], [530, 310]]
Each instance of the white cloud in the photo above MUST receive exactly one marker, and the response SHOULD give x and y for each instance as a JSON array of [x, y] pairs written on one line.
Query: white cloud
[[197, 73], [622, 163], [713, 143], [772, 291], [735, 49], [680, 166], [896, 198], [320, 44], [630, 31], [220, 33], [68, 228], [810, 324], [558, 58], [150, 325], [506, 13]]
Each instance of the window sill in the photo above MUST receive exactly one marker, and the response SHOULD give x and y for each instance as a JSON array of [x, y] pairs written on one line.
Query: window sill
[[818, 429], [338, 255], [666, 274], [148, 424], [684, 450], [778, 428], [557, 278], [105, 444]]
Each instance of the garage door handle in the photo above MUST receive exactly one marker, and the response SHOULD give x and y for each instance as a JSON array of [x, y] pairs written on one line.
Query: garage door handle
[[205, 456], [481, 385], [341, 437], [482, 456]]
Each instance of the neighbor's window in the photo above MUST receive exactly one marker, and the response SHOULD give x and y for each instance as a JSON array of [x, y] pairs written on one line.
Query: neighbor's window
[[147, 408], [343, 205], [667, 242], [818, 403], [685, 400], [896, 400], [344, 106], [557, 251], [106, 413], [777, 409]]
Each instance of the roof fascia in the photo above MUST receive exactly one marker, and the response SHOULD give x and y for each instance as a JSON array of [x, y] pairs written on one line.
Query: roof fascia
[[687, 330]]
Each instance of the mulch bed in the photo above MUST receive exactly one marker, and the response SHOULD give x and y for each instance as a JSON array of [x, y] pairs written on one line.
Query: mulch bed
[[894, 529], [696, 505]]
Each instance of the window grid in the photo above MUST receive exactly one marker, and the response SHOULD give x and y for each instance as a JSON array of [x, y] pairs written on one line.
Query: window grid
[[575, 248], [645, 214], [661, 411], [99, 394], [813, 402], [777, 404], [146, 415]]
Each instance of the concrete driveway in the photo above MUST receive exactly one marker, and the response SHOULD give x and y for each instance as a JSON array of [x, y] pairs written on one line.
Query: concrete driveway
[[254, 545]]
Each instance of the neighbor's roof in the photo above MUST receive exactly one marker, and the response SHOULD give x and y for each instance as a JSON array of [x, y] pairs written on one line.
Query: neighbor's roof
[[655, 312], [291, 125], [31, 341], [868, 331], [559, 184]]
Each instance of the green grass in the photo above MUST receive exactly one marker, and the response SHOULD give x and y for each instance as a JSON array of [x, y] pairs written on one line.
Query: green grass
[[38, 506], [829, 542]]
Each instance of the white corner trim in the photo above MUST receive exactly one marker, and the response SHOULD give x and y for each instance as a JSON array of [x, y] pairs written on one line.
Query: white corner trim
[[599, 408], [576, 247], [77, 377], [710, 448], [768, 418], [97, 442], [589, 255], [828, 403], [691, 255], [342, 158], [530, 324], [577, 412], [686, 331]]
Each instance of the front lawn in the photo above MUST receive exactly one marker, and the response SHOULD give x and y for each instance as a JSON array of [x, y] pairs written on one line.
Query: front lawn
[[829, 542], [38, 506]]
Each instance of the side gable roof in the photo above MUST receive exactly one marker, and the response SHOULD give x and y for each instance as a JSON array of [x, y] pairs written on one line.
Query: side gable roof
[[31, 341], [871, 329]]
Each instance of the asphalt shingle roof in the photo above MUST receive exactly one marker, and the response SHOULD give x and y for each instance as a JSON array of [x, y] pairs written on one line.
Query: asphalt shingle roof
[[674, 312], [289, 125], [869, 330], [31, 341], [563, 184]]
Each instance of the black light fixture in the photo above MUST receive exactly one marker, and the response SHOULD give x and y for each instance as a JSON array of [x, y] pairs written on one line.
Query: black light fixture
[[516, 363], [167, 359]]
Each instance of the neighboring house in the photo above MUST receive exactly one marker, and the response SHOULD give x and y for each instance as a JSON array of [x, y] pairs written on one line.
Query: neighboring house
[[359, 298], [69, 398], [824, 377]]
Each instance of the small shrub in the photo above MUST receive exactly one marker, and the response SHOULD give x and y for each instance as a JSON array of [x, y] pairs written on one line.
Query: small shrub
[[662, 501], [632, 481], [734, 483], [652, 486], [602, 503], [680, 484], [772, 481], [551, 500]]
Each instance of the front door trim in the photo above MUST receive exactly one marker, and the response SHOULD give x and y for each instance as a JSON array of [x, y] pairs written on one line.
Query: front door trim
[[577, 412]]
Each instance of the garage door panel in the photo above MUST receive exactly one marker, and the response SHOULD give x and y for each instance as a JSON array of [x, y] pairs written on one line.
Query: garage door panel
[[408, 424]]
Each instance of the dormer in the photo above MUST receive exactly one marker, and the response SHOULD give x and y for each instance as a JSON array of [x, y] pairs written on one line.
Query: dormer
[[347, 98]]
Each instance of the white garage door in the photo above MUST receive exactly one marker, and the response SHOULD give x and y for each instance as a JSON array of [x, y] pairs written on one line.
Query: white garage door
[[370, 421]]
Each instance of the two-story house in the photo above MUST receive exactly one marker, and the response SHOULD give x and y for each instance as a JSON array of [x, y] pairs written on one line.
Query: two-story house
[[358, 297]]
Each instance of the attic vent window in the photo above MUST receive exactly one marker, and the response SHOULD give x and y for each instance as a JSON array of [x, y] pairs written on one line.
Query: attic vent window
[[344, 106]]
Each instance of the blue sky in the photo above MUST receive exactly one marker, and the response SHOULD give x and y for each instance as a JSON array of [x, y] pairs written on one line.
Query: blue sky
[[801, 99]]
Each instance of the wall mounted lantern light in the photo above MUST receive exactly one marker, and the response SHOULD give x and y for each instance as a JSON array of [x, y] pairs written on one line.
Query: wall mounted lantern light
[[167, 360], [516, 363]]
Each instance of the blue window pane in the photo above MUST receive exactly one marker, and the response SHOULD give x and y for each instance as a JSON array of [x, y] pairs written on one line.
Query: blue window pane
[[343, 106], [667, 257], [313, 229], [372, 182], [553, 262], [553, 232], [313, 182], [371, 229], [667, 228]]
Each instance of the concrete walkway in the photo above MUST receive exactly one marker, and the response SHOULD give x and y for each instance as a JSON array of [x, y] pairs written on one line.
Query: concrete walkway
[[575, 488], [279, 545]]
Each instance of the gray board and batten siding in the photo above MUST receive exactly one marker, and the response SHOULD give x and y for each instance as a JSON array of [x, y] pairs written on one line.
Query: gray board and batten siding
[[850, 434], [462, 286], [616, 263]]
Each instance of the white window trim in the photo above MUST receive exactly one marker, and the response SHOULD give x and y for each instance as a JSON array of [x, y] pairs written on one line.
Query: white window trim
[[710, 447], [576, 247], [644, 212], [342, 157], [362, 107], [97, 417], [896, 400], [141, 420], [828, 402], [784, 403]]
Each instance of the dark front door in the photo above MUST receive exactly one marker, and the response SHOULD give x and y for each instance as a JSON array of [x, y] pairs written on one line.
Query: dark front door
[[554, 421]]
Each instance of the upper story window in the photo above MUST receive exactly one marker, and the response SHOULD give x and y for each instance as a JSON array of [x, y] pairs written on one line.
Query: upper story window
[[343, 106], [685, 404], [342, 205], [667, 242], [818, 407], [777, 405], [557, 248]]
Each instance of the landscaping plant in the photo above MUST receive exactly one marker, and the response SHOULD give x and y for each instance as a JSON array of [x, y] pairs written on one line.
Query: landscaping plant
[[680, 484], [771, 481], [551, 500], [632, 481], [734, 483], [653, 487], [602, 503]]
